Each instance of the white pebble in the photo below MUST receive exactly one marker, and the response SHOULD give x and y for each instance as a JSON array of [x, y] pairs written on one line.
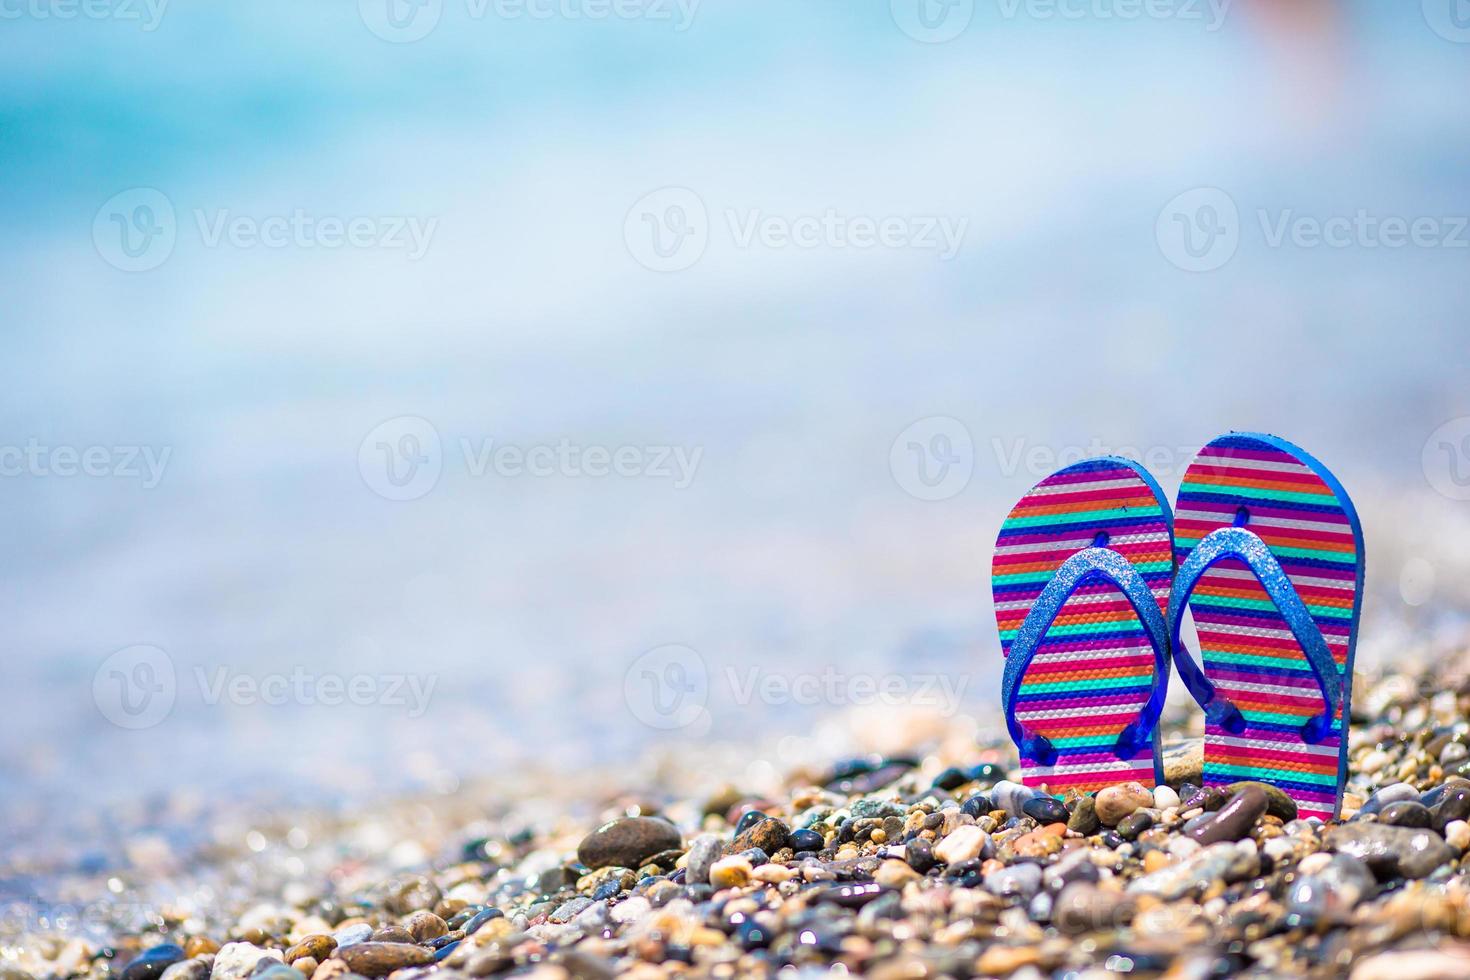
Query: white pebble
[[1457, 834], [1165, 797], [1374, 761], [962, 845], [1453, 752]]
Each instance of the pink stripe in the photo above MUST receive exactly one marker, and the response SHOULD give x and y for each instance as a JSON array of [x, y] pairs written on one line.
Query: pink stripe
[[1079, 700], [1142, 773], [1088, 476], [1278, 738]]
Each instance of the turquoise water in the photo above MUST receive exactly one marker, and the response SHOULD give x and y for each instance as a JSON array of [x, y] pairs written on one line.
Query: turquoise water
[[507, 290]]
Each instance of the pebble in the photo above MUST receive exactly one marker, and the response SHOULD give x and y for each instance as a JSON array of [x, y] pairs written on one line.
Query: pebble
[[977, 805], [1450, 963], [317, 947], [1452, 753], [1116, 802], [1165, 797], [730, 872], [151, 963], [353, 934], [1134, 824], [1278, 803], [805, 840], [966, 843], [704, 851], [235, 961], [1045, 810], [769, 835], [1232, 821], [1394, 793], [627, 842], [424, 926], [1391, 851], [1084, 819], [1405, 813], [1011, 797], [1457, 834], [1018, 879], [372, 959], [192, 969]]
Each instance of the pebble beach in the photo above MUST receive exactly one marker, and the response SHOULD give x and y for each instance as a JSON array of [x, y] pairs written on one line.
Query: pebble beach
[[930, 863]]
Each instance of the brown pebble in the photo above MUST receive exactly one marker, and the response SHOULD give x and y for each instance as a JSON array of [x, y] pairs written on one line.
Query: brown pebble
[[199, 946], [316, 946], [423, 926], [391, 934], [375, 959]]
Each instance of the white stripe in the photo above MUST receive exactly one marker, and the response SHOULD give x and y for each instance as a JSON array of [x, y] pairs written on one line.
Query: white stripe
[[1078, 543], [1122, 765], [1216, 463], [1105, 709], [1231, 741], [1159, 592], [1246, 575], [1064, 656], [1130, 482], [1261, 632], [1262, 520], [1242, 687]]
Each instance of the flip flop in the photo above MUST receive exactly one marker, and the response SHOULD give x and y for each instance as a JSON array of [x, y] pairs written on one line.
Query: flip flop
[[1270, 559], [1081, 580]]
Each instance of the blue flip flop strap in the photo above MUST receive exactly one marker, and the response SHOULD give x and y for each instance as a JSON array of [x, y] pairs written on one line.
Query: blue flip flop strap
[[1084, 566], [1246, 546]]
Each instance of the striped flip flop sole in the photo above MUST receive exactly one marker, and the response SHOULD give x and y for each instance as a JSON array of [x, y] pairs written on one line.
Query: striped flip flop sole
[[1094, 669], [1304, 517]]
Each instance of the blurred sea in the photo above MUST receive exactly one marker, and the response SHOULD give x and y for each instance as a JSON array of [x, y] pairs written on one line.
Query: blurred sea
[[1063, 323]]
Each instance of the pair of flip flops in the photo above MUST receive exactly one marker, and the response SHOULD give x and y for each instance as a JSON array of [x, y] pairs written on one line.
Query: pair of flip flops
[[1092, 575]]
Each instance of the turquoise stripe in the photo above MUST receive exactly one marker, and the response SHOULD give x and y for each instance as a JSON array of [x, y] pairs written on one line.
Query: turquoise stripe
[[1254, 772]]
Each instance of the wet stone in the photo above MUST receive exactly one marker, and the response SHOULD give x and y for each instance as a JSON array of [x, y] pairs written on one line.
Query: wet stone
[[1405, 813], [1391, 851], [805, 840], [1084, 817], [749, 819], [317, 947], [1011, 797], [977, 805], [425, 925], [372, 959], [1134, 824], [770, 835], [480, 918], [920, 855], [627, 842], [952, 778], [1116, 802], [1234, 820], [1021, 880], [1045, 810], [351, 935], [151, 963], [235, 961], [1278, 803]]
